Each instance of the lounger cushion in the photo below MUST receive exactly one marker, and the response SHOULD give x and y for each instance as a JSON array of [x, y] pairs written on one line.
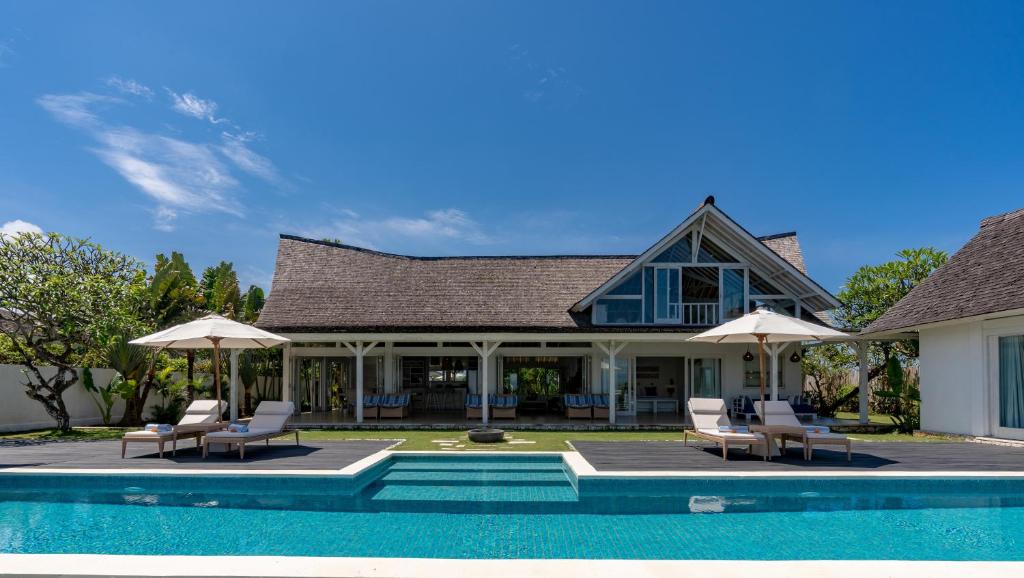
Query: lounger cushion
[[731, 435], [395, 401], [152, 435], [707, 413], [825, 436], [578, 401], [474, 401], [236, 435], [600, 401], [271, 415], [504, 401]]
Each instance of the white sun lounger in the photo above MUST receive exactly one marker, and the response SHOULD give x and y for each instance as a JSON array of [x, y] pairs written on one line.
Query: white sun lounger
[[780, 414], [267, 422], [708, 415], [201, 417]]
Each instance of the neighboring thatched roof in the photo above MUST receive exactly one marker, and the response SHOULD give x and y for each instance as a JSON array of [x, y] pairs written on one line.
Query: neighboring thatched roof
[[985, 276]]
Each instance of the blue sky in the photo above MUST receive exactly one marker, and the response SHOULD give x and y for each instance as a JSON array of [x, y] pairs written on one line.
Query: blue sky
[[484, 127]]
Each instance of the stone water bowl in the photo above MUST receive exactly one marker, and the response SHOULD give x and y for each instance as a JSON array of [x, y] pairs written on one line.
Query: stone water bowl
[[486, 435]]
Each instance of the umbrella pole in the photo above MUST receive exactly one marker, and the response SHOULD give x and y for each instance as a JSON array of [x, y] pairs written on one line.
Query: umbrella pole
[[760, 354], [216, 373]]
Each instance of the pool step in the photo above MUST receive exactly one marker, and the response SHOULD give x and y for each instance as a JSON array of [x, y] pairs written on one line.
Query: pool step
[[458, 493], [486, 482], [464, 477], [456, 467]]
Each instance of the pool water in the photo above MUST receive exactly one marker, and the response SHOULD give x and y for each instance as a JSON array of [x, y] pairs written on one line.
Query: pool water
[[512, 507]]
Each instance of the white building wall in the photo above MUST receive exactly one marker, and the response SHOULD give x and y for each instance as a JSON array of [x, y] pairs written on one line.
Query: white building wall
[[952, 382], [959, 385]]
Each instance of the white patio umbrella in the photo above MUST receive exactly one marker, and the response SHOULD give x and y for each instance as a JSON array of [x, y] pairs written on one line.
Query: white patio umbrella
[[212, 331], [763, 326]]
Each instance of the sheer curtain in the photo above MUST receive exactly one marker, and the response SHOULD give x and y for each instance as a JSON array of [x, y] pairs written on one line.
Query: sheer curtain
[[1011, 381]]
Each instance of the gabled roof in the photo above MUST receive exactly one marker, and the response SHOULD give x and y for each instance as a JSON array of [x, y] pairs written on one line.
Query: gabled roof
[[985, 276], [321, 286], [777, 255]]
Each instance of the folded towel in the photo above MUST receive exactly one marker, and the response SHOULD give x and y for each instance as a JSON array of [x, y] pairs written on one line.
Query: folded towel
[[159, 427], [816, 428], [733, 429], [238, 428]]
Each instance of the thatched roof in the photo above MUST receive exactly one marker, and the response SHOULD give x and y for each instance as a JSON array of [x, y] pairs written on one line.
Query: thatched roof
[[985, 276]]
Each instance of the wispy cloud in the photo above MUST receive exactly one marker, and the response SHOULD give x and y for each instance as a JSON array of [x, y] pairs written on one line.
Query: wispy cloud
[[236, 148], [18, 226], [77, 110], [181, 176], [189, 104], [543, 82], [436, 229], [130, 86]]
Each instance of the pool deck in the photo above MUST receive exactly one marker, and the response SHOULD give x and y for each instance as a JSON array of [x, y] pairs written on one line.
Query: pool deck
[[282, 455], [670, 457], [650, 458]]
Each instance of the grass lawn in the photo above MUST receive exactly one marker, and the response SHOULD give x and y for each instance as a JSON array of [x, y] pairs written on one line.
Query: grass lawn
[[875, 418], [416, 440]]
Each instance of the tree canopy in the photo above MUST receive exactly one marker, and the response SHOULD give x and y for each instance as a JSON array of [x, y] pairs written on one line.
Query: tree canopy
[[61, 299]]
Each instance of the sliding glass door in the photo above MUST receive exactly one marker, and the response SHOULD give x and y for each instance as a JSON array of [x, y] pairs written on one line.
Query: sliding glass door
[[1008, 371]]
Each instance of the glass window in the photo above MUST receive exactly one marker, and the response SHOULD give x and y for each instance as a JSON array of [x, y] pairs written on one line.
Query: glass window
[[707, 378], [666, 301], [732, 293], [622, 311], [1011, 381], [621, 380], [631, 286], [709, 252], [759, 286], [679, 252]]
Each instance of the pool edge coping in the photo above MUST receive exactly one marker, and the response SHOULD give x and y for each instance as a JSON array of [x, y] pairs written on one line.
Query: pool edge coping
[[578, 466], [84, 565]]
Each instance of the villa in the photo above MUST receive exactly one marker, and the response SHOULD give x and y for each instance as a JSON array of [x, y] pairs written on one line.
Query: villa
[[364, 322], [969, 318]]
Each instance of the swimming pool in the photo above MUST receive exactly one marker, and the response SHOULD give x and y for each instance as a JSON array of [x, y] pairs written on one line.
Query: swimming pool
[[506, 507]]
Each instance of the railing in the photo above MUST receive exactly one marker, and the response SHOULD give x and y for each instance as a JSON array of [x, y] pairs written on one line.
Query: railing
[[700, 313]]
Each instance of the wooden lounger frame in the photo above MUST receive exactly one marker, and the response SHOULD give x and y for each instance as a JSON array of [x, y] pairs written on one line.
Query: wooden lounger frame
[[241, 441], [809, 443], [196, 431], [724, 442]]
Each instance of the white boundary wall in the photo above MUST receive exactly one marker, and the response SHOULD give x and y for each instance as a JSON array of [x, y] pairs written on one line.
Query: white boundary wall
[[18, 412]]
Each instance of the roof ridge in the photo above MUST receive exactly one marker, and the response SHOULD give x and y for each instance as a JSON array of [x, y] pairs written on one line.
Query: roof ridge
[[446, 258], [777, 236], [1002, 217]]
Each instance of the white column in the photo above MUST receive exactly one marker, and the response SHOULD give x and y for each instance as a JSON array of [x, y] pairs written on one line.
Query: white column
[[359, 383], [485, 349], [774, 350], [485, 384], [611, 349], [234, 385], [286, 373], [863, 389], [611, 382], [359, 350], [390, 381]]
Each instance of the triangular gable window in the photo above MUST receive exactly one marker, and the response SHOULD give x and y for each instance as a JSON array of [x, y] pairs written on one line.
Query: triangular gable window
[[759, 286], [633, 285], [711, 253], [679, 252]]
